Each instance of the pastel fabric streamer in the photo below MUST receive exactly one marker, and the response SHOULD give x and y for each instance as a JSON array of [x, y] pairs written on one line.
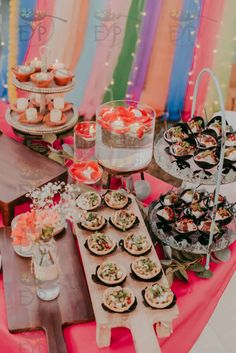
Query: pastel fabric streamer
[[185, 41], [4, 51], [26, 16], [43, 27], [159, 70], [224, 56], [86, 59], [204, 52], [123, 67], [109, 36], [149, 24]]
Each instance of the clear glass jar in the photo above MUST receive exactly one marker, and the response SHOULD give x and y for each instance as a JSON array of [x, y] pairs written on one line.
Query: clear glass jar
[[124, 135], [84, 141], [46, 269]]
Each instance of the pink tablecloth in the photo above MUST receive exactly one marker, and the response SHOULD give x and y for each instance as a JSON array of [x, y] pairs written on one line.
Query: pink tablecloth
[[196, 301]]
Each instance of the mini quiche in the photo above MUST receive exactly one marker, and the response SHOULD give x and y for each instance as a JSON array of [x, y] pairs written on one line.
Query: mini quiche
[[110, 273], [92, 221], [89, 200], [123, 220], [136, 244], [145, 268], [118, 299], [100, 244], [116, 199], [158, 297]]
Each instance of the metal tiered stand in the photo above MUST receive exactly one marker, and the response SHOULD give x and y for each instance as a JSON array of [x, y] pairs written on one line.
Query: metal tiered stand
[[192, 175]]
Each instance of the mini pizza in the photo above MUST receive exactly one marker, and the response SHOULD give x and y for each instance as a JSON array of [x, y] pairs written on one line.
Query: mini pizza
[[123, 220], [110, 273], [116, 199], [158, 296], [100, 244], [145, 268], [118, 299], [185, 225], [89, 200], [92, 221], [137, 244], [169, 199], [205, 227], [166, 214]]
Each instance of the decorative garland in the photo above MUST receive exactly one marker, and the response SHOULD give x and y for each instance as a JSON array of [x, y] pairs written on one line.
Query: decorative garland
[[13, 47]]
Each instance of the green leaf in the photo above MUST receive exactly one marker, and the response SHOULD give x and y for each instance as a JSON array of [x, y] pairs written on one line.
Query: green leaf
[[223, 255], [184, 273], [213, 259], [56, 157], [179, 275], [50, 138], [189, 256], [205, 274], [197, 267]]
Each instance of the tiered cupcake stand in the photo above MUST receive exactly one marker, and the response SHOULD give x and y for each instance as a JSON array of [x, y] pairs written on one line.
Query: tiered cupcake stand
[[198, 178]]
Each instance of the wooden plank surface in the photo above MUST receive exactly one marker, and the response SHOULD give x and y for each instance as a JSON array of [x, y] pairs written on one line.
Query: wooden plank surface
[[21, 169], [25, 311], [142, 319]]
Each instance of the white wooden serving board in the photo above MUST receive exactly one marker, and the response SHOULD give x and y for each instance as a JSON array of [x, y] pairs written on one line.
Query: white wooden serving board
[[142, 319]]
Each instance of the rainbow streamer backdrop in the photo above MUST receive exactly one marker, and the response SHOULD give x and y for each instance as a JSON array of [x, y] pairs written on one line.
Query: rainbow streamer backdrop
[[136, 49]]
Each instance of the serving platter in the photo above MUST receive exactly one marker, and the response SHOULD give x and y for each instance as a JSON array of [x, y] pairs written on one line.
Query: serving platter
[[53, 89], [141, 320], [188, 242], [190, 174], [40, 129]]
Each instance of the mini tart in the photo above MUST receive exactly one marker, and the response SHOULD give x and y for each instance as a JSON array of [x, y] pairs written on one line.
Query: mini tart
[[175, 134], [116, 199], [230, 139], [89, 200], [110, 273], [123, 220], [223, 216], [185, 225], [169, 199], [189, 196], [196, 124], [145, 268], [230, 154], [50, 123], [205, 227], [182, 149], [118, 299], [166, 214], [136, 244], [23, 120], [67, 107], [92, 221], [158, 297], [206, 141], [206, 159], [100, 244]]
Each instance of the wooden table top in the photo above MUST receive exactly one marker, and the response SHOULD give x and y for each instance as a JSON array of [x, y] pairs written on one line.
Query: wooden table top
[[22, 169]]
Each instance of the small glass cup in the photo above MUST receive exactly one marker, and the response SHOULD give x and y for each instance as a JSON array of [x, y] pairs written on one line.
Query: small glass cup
[[84, 141]]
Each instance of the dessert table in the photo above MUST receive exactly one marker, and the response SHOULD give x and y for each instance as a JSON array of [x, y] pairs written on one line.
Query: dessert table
[[196, 301]]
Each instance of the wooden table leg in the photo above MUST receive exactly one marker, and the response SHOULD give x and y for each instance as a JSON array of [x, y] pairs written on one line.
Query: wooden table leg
[[7, 214], [103, 335]]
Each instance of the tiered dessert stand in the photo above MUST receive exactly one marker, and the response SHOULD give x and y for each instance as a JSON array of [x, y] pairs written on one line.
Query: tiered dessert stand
[[37, 130], [192, 175]]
